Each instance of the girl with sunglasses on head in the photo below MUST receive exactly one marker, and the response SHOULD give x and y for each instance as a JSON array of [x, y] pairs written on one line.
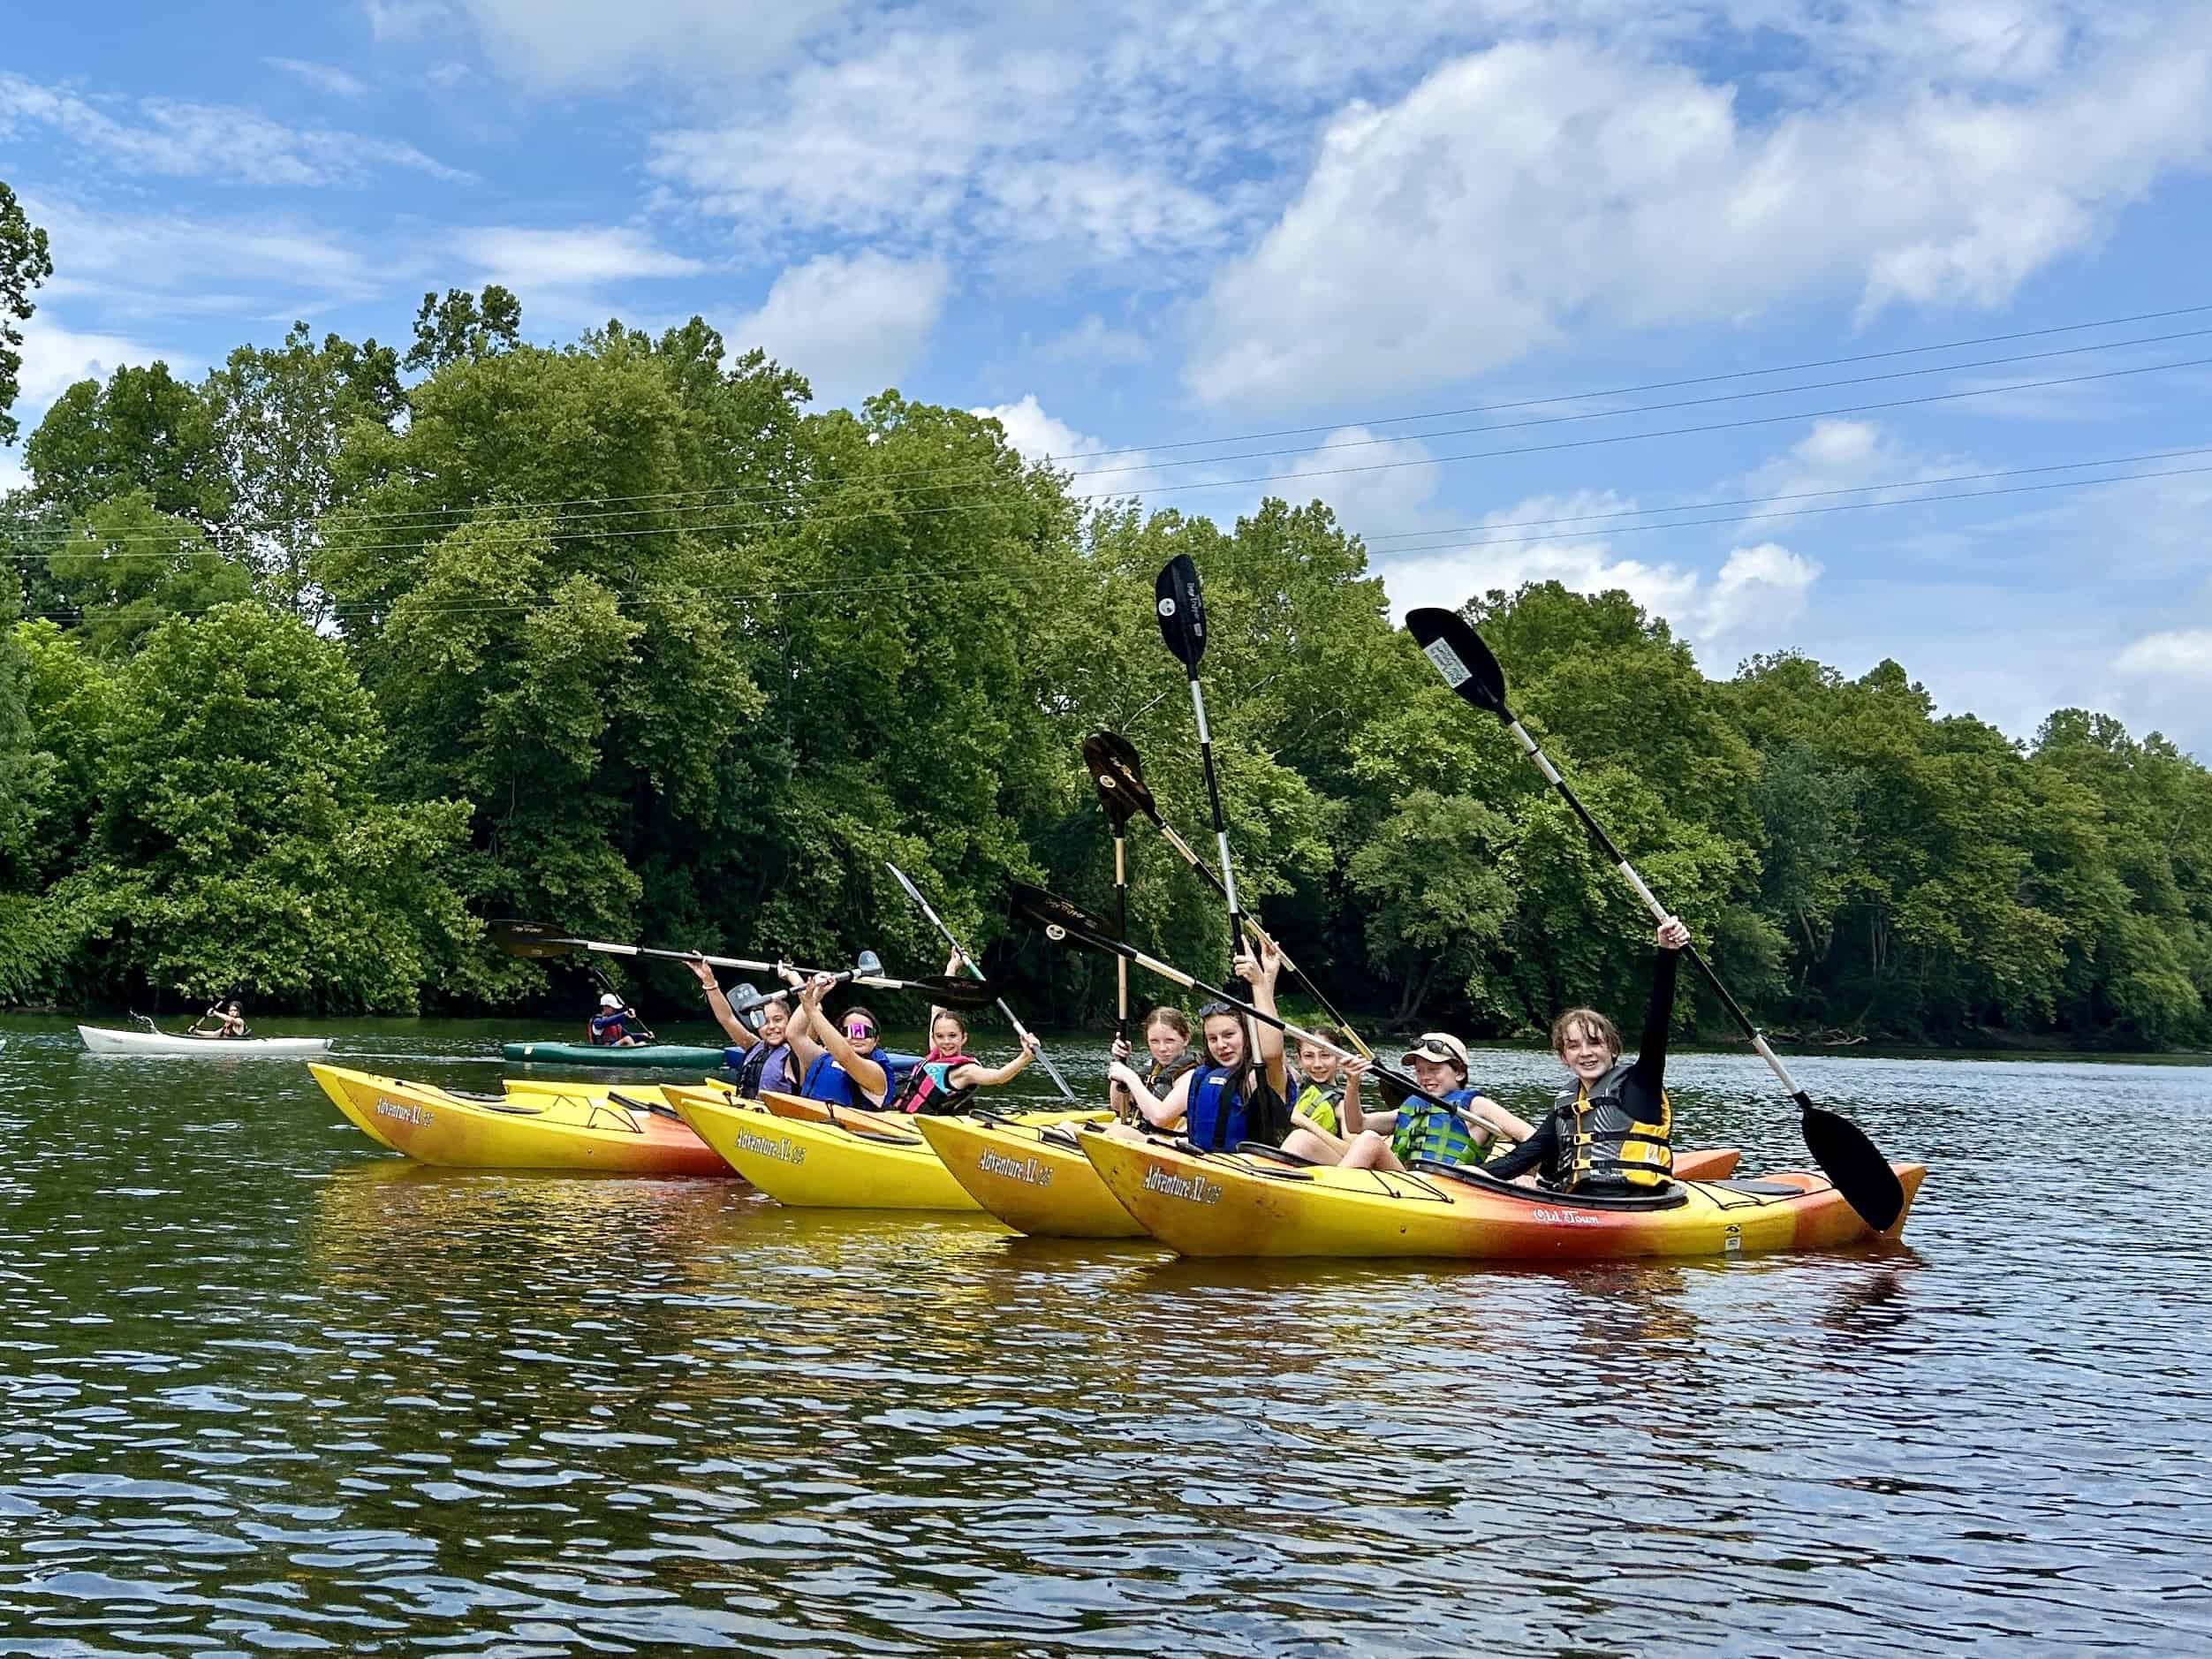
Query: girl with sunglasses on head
[[1242, 1096]]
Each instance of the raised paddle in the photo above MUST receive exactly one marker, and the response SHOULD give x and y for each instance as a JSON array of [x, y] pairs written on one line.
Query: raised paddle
[[1845, 1155], [536, 939], [1182, 613], [1065, 921], [968, 962], [1107, 769], [1118, 775]]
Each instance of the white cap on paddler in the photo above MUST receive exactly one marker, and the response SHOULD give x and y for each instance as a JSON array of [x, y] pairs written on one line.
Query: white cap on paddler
[[1442, 1047], [608, 999]]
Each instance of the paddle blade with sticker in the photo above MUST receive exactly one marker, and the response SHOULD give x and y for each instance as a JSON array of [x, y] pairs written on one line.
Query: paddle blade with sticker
[[1119, 776], [1448, 641], [954, 993], [1182, 610], [1060, 918], [530, 939]]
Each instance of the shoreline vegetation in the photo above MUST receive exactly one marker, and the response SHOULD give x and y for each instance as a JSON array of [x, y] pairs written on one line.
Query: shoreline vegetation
[[313, 664]]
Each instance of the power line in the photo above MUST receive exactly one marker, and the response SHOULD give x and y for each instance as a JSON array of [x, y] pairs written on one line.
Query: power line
[[718, 497], [1338, 472], [938, 580]]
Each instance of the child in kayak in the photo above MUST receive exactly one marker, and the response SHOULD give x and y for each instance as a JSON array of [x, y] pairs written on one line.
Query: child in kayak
[[228, 1021], [1328, 1093], [609, 1026], [843, 1060], [1240, 1095], [941, 1082], [1463, 1130], [1610, 1129], [761, 1061], [1167, 1036]]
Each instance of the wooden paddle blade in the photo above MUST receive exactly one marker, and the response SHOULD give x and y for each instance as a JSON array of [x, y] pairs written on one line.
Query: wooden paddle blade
[[1060, 918], [1848, 1158], [1460, 657], [530, 939], [954, 993], [1119, 776], [1182, 609]]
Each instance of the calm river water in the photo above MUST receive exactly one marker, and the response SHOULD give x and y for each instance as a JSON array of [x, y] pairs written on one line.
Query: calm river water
[[269, 1387]]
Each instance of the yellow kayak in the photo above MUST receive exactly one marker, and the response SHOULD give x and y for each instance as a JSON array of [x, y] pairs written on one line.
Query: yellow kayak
[[645, 1094], [821, 1165], [1032, 1176], [520, 1132], [1233, 1204]]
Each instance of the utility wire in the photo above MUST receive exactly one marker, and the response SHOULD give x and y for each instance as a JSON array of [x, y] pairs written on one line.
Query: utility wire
[[531, 534], [721, 498], [892, 587]]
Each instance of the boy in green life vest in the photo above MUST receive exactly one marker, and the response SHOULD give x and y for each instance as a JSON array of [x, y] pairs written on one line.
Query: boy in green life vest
[[1460, 1126]]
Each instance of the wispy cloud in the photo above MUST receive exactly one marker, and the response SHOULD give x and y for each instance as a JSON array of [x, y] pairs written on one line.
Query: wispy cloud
[[323, 77], [164, 137]]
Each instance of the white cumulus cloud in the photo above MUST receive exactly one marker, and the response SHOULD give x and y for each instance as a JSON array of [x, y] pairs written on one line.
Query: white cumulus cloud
[[1541, 188], [850, 325], [2176, 655]]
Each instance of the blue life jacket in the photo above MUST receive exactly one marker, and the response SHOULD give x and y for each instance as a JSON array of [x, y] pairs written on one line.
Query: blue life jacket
[[827, 1080], [1214, 1118]]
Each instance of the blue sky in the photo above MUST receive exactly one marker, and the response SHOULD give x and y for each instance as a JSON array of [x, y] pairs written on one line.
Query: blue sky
[[1147, 225]]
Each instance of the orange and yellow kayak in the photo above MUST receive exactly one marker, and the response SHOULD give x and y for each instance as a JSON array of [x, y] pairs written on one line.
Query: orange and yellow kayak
[[1034, 1178], [581, 1132], [1232, 1204]]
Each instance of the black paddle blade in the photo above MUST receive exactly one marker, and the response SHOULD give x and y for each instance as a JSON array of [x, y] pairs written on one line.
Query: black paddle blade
[[1182, 610], [530, 939], [1061, 919], [1119, 777], [1861, 1174], [954, 993], [1460, 657]]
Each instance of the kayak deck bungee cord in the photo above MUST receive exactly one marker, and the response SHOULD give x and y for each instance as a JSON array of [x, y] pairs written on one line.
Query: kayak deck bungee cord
[[821, 1165]]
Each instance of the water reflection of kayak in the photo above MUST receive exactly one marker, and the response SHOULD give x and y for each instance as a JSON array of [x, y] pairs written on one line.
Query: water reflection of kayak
[[1235, 1204]]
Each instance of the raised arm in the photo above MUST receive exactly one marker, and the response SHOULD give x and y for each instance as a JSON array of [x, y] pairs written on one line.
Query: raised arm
[[991, 1077], [869, 1076], [718, 1004], [1650, 1069], [1261, 975], [1160, 1113]]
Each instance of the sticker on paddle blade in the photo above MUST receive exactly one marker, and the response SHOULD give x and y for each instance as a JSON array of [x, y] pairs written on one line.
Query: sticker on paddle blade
[[1456, 673], [1167, 606]]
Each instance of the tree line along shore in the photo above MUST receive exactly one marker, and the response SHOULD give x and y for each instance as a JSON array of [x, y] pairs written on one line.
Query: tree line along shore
[[317, 660]]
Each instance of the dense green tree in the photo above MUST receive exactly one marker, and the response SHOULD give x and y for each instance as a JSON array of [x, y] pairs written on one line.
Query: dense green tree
[[280, 415], [24, 264], [126, 567], [143, 430], [240, 841], [462, 327]]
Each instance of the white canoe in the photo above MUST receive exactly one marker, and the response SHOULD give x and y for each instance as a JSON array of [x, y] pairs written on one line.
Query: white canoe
[[101, 1039]]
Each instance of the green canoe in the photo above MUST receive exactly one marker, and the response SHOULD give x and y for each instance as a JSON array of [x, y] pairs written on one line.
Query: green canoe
[[586, 1054]]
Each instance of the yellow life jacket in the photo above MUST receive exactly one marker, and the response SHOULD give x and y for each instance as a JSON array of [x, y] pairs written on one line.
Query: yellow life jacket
[[1602, 1143]]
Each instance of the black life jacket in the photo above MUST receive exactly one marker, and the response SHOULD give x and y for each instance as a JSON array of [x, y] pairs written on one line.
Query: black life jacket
[[1599, 1140]]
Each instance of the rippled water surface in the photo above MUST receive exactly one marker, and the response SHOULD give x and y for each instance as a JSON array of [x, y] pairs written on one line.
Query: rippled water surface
[[270, 1387]]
